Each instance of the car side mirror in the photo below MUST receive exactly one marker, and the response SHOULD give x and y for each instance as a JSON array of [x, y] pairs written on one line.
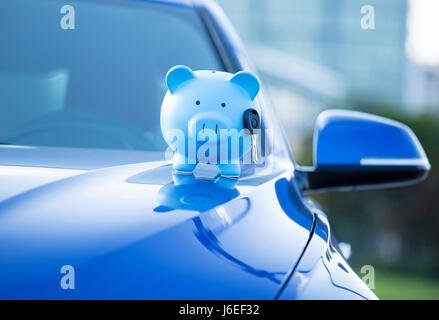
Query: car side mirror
[[354, 150]]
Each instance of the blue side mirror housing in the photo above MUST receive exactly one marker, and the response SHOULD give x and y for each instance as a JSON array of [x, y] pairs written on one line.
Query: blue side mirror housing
[[355, 150]]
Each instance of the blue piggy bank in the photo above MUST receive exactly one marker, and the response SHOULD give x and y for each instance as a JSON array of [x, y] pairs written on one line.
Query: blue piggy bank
[[208, 116]]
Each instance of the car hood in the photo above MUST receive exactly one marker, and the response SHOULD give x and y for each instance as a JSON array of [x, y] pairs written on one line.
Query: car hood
[[129, 229]]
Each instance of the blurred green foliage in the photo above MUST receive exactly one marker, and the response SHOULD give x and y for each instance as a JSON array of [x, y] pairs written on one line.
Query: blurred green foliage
[[393, 285]]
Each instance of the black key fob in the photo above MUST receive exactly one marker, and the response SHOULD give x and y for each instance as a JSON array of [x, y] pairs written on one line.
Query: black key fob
[[251, 120]]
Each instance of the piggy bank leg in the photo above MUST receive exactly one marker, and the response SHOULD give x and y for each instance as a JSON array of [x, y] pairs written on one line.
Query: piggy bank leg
[[181, 164], [229, 170]]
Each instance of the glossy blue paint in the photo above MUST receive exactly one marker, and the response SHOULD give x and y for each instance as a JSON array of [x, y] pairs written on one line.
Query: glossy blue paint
[[346, 138], [103, 222], [133, 230], [322, 272], [188, 193]]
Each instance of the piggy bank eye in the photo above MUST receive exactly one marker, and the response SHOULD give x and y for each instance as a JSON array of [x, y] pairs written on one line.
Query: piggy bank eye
[[197, 102], [223, 105]]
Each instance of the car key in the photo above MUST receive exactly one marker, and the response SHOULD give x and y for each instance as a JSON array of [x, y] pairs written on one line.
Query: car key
[[252, 123]]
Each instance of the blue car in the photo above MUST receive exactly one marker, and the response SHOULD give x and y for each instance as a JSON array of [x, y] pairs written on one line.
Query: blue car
[[89, 205]]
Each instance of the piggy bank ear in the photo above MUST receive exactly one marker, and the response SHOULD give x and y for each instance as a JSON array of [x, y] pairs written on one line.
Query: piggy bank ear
[[247, 81], [178, 75]]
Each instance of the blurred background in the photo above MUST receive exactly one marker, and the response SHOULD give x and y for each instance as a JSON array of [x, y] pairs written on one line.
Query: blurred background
[[376, 56]]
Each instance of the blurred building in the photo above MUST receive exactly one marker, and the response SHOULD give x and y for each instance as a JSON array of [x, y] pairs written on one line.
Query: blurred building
[[315, 54], [328, 33], [422, 88]]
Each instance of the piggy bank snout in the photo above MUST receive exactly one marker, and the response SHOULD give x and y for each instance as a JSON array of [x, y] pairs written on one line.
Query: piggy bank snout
[[208, 124]]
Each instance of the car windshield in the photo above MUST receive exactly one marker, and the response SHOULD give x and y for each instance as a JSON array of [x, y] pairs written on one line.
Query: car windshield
[[99, 85]]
